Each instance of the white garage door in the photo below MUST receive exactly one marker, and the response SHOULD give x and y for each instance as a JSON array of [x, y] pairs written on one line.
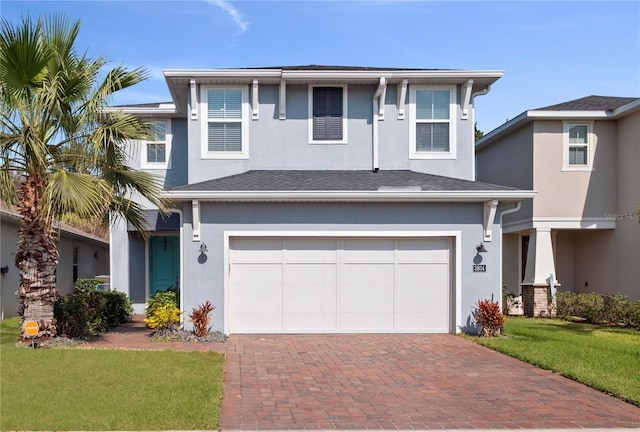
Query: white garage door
[[329, 285]]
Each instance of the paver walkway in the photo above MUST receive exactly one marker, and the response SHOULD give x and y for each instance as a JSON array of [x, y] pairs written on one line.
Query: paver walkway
[[390, 382]]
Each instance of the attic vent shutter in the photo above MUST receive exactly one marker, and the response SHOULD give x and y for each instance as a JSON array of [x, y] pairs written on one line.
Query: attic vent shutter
[[327, 113]]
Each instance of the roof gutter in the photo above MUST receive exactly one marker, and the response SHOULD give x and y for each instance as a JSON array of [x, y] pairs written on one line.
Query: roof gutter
[[351, 196]]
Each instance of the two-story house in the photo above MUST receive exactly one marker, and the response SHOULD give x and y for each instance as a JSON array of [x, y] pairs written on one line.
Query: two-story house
[[318, 199], [581, 157]]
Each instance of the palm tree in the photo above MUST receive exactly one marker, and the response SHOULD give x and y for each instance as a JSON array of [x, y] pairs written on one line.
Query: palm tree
[[67, 155]]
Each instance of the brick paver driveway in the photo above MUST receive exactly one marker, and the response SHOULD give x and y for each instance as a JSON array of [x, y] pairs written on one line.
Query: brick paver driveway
[[400, 382]]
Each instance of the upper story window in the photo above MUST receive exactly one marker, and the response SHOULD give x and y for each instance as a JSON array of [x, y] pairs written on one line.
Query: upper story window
[[156, 151], [225, 127], [577, 146], [327, 120], [432, 124]]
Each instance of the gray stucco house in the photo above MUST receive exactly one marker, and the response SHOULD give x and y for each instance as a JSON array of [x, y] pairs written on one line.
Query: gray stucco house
[[318, 199], [82, 255], [581, 156]]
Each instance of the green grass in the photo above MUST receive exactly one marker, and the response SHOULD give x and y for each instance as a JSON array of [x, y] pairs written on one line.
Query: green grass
[[80, 389], [607, 359]]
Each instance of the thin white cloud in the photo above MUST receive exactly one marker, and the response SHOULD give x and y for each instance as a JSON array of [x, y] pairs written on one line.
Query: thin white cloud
[[233, 13]]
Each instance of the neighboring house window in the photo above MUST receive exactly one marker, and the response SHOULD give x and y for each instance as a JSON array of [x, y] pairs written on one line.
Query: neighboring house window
[[327, 120], [432, 123], [226, 127], [156, 152], [577, 146]]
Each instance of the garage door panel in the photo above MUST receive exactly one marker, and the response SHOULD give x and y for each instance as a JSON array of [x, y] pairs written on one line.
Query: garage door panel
[[311, 251], [256, 307], [419, 287], [368, 250], [256, 250], [417, 250], [354, 322], [310, 303], [367, 287]]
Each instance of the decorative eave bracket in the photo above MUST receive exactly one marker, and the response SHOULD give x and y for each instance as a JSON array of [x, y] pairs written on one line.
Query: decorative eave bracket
[[255, 106], [195, 210], [194, 99], [490, 208], [282, 101], [402, 95], [466, 99]]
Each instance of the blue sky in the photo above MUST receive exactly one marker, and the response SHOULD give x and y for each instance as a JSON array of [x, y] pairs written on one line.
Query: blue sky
[[550, 51]]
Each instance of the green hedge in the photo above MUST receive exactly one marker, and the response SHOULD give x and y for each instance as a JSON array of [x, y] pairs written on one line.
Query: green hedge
[[602, 309], [88, 312]]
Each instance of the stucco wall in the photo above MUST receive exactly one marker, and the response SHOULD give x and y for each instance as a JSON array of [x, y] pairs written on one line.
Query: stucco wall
[[510, 258], [573, 194], [509, 162], [93, 260], [203, 279], [283, 144]]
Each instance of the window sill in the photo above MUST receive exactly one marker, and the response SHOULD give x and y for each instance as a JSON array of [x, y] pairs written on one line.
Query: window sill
[[332, 142], [223, 155], [434, 155]]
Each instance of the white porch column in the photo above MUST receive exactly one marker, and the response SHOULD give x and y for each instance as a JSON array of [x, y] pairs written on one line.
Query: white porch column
[[540, 261], [536, 290]]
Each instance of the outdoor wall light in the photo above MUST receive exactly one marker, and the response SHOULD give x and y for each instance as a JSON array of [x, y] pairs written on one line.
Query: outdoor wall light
[[203, 248], [4, 270], [480, 248]]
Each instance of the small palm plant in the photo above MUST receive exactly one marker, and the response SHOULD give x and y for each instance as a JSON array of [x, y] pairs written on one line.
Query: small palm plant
[[490, 317]]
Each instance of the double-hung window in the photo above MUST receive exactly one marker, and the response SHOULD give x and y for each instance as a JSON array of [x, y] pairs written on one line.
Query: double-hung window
[[226, 126], [432, 134], [577, 146], [327, 120], [156, 151]]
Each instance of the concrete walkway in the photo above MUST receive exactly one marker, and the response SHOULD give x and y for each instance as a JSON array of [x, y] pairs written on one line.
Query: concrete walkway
[[399, 382]]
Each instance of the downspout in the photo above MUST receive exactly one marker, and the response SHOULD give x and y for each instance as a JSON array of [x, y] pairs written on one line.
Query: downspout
[[502, 213], [482, 92], [376, 118]]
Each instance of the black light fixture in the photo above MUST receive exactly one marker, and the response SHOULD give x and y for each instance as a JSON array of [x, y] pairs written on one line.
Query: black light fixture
[[4, 270], [480, 248], [203, 248]]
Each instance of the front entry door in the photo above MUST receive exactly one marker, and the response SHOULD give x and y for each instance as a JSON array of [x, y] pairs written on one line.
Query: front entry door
[[164, 263]]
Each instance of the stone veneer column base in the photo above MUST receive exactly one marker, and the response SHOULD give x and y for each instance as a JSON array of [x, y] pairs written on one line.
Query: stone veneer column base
[[537, 302]]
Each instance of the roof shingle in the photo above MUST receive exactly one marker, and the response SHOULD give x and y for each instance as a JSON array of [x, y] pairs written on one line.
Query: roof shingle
[[590, 103]]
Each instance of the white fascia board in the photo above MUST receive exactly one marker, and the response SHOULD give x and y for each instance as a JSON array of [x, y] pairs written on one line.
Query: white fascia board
[[164, 109], [630, 107], [249, 74], [397, 75], [352, 196], [528, 116]]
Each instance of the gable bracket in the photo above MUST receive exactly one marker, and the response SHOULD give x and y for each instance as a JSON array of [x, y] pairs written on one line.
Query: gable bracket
[[466, 99], [255, 108], [194, 99], [402, 95], [381, 94], [282, 101], [490, 208], [195, 210]]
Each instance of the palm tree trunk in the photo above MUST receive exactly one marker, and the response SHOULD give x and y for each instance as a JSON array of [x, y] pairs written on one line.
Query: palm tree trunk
[[36, 259]]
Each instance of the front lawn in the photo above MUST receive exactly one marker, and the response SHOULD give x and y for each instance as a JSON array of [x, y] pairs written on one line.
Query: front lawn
[[607, 359], [81, 389]]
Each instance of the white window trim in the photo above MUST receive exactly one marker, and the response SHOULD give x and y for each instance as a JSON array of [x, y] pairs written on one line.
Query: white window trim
[[145, 164], [565, 146], [451, 154], [345, 97], [204, 125]]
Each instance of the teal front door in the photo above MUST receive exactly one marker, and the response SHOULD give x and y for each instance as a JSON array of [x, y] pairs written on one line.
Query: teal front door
[[164, 263]]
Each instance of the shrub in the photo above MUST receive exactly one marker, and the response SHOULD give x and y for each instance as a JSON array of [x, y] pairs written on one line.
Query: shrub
[[160, 299], [200, 318], [164, 319], [490, 317], [86, 284], [603, 309], [87, 313]]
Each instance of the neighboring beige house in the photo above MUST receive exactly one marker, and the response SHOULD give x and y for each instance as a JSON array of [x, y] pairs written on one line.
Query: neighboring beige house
[[583, 159], [81, 256]]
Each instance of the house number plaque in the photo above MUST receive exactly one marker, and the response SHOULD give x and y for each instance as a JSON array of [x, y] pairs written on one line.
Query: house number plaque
[[479, 268]]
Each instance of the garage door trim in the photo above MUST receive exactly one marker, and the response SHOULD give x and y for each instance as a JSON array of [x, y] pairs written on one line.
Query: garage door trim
[[455, 244]]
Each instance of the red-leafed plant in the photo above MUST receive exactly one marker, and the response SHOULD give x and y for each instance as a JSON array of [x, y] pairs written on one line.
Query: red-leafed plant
[[490, 317], [200, 318]]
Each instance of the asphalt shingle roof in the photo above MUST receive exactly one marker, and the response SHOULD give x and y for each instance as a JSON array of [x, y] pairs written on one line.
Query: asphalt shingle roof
[[590, 103], [285, 180]]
